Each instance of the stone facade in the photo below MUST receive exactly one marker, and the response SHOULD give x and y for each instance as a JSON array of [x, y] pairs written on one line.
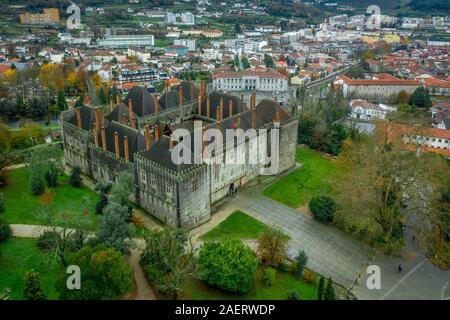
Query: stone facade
[[136, 136]]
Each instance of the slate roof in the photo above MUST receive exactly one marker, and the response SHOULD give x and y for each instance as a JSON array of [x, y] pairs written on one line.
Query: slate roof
[[143, 102], [214, 99]]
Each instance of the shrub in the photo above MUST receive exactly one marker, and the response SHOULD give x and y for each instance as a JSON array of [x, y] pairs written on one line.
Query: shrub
[[323, 208], [33, 287], [5, 230], [321, 288], [329, 291], [137, 220], [101, 204], [310, 277], [293, 295], [272, 247], [228, 264], [301, 261], [2, 202], [37, 184], [106, 274], [283, 267], [269, 276], [75, 177], [51, 178], [48, 240]]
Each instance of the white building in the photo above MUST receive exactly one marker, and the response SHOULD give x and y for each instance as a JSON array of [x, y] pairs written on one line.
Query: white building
[[125, 41], [170, 18], [190, 43], [364, 110], [211, 54], [187, 18], [248, 80], [141, 55]]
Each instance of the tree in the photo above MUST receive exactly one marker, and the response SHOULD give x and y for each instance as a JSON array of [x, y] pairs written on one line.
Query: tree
[[402, 97], [20, 106], [323, 208], [268, 61], [167, 260], [321, 288], [329, 291], [5, 138], [272, 247], [228, 264], [301, 260], [269, 276], [37, 183], [33, 287], [122, 190], [61, 102], [380, 175], [420, 98], [113, 230], [105, 275], [2, 202], [5, 230], [75, 177]]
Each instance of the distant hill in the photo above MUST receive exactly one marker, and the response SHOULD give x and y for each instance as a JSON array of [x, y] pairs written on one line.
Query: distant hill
[[399, 6]]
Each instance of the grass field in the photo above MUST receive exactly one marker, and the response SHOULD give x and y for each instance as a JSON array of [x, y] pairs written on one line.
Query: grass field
[[313, 178], [21, 207], [19, 255], [284, 283], [237, 225]]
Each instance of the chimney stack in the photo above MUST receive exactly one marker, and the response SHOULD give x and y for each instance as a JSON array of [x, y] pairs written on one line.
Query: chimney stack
[[130, 108], [133, 122], [97, 121], [277, 118], [230, 108], [221, 109], [155, 102], [127, 155], [103, 138], [254, 118], [171, 143], [95, 132], [116, 144], [156, 133], [148, 142], [118, 99], [244, 107], [102, 119], [208, 106], [111, 104], [78, 112], [199, 105], [180, 96]]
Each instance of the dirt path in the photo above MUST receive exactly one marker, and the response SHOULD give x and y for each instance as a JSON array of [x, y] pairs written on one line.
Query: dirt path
[[143, 290]]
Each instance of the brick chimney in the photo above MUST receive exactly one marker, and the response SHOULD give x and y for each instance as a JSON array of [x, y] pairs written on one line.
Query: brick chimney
[[125, 143], [171, 143], [199, 104], [97, 121], [148, 141], [78, 114], [116, 144], [111, 104], [180, 96], [277, 118], [95, 133], [230, 108], [130, 108], [156, 133], [118, 99], [254, 118], [155, 102], [133, 122], [208, 107], [102, 118], [220, 117], [103, 138], [244, 107]]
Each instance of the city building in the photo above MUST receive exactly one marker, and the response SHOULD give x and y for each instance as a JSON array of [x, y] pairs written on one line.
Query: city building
[[249, 80], [190, 43], [364, 110], [125, 41]]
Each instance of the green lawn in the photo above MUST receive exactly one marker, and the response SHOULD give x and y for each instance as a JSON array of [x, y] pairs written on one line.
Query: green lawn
[[237, 225], [284, 283], [21, 207], [313, 178], [18, 255]]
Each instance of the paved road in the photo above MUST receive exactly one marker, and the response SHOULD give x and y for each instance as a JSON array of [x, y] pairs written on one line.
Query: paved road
[[333, 253]]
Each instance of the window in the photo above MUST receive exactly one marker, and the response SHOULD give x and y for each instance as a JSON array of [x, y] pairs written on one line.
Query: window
[[168, 189], [194, 184]]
